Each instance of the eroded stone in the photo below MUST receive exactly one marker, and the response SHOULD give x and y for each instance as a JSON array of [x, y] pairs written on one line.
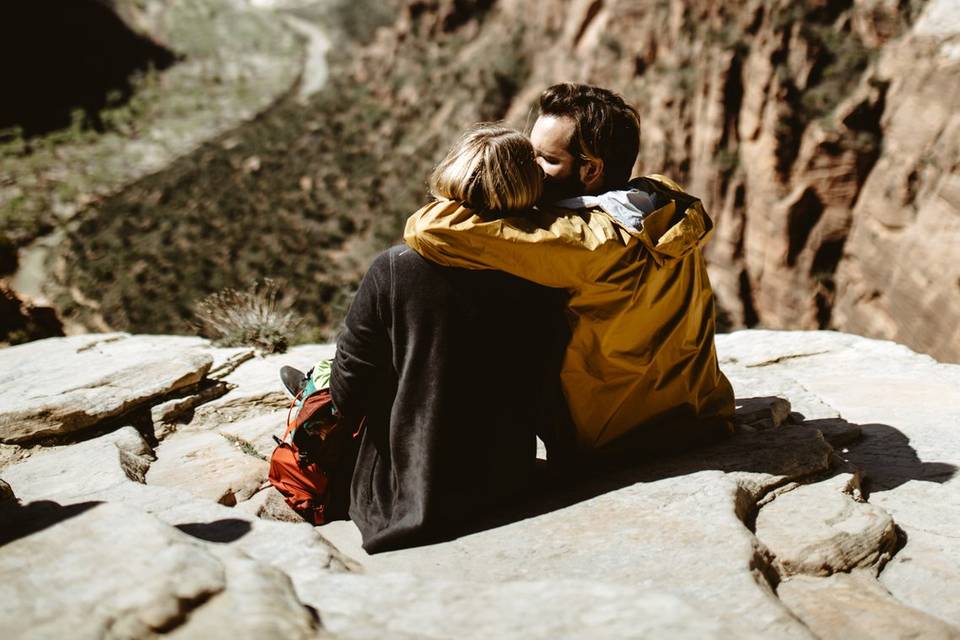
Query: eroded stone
[[819, 529], [57, 386], [269, 504], [854, 605], [208, 465], [108, 570]]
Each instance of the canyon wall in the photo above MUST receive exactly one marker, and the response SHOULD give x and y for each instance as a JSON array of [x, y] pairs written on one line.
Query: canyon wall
[[820, 135]]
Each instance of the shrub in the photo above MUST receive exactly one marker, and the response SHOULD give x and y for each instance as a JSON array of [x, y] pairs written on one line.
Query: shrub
[[257, 317]]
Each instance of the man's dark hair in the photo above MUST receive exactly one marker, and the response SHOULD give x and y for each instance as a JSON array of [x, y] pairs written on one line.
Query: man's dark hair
[[607, 127]]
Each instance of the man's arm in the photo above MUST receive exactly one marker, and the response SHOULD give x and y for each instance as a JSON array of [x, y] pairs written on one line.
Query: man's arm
[[363, 349], [559, 249]]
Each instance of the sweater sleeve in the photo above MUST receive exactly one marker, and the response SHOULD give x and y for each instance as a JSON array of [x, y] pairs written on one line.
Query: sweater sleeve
[[363, 349]]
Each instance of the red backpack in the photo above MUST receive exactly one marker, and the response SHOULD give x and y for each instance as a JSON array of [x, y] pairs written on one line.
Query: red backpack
[[313, 470]]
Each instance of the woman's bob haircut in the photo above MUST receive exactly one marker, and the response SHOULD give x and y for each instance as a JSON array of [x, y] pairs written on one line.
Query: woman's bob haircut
[[490, 168]]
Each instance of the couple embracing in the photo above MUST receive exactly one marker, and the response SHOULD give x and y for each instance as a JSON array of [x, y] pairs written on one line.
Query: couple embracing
[[542, 293]]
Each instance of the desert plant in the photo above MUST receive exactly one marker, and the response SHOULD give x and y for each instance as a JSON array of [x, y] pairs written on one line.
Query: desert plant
[[257, 317], [245, 446]]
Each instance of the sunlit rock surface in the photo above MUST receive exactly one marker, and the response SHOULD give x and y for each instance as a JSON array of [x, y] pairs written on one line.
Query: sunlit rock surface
[[831, 513]]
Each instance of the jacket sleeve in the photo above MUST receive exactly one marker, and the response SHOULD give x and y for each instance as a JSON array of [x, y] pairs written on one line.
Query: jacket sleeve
[[560, 249], [363, 348]]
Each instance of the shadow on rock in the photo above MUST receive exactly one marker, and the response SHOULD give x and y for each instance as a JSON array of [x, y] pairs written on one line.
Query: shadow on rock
[[770, 440], [22, 521], [888, 461], [226, 530]]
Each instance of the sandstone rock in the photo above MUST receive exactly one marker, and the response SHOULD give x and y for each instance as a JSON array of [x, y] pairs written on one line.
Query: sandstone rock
[[909, 204], [907, 407], [837, 432], [663, 548], [407, 607], [6, 493], [256, 386], [61, 385], [226, 360], [257, 431], [208, 465], [178, 409], [259, 602], [762, 413], [923, 574], [72, 472], [269, 504], [110, 468], [99, 570], [855, 606], [648, 529], [819, 529], [756, 386]]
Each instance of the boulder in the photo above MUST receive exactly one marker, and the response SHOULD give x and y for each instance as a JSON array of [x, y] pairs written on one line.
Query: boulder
[[269, 504]]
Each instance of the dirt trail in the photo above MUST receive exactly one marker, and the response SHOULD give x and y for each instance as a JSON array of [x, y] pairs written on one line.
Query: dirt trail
[[315, 70], [36, 260]]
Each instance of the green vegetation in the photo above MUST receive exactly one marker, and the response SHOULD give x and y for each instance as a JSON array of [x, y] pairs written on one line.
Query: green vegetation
[[727, 161], [306, 194], [244, 445], [846, 58], [233, 62]]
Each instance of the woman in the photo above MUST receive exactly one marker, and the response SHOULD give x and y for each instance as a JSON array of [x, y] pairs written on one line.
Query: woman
[[451, 367]]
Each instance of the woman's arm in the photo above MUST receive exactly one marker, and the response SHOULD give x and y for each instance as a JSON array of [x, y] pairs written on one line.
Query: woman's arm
[[560, 249], [363, 349]]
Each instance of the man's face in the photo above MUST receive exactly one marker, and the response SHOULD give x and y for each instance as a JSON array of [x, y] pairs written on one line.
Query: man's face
[[551, 138]]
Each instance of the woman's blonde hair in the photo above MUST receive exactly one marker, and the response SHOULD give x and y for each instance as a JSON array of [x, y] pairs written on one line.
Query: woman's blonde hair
[[490, 168]]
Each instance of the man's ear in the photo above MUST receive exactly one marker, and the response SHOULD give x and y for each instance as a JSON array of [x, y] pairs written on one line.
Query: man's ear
[[591, 174]]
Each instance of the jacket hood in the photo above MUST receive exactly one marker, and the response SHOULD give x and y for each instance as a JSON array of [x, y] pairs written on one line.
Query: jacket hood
[[668, 221]]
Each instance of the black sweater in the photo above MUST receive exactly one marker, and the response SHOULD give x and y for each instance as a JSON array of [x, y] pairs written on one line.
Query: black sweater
[[449, 367]]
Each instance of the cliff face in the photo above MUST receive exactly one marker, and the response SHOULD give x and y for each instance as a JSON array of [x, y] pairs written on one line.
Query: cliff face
[[820, 135]]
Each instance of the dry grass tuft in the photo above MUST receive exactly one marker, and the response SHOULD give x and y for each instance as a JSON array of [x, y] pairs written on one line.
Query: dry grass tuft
[[259, 317]]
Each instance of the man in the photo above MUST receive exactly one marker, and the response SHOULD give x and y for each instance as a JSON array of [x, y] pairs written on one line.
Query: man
[[641, 369]]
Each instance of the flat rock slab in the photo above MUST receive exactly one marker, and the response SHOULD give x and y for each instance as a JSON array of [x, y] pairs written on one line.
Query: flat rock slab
[[256, 432], [208, 465], [106, 570], [654, 529], [845, 606], [819, 529], [661, 549], [907, 407], [924, 574], [60, 385], [111, 469]]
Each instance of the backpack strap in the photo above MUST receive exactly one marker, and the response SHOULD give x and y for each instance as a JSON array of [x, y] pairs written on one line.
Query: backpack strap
[[290, 425]]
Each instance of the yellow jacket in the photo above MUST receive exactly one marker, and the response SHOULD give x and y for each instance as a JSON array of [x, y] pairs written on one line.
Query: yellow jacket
[[641, 307]]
